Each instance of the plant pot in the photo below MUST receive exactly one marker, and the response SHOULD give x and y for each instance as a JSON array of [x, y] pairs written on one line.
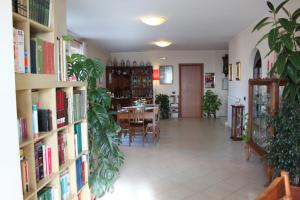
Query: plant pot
[[295, 192]]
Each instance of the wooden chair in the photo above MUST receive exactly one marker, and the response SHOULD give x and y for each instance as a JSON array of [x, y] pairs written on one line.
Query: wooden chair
[[136, 123], [153, 126], [278, 189]]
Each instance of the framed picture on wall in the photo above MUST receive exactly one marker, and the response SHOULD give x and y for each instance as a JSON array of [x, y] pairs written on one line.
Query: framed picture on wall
[[166, 74], [209, 80], [224, 84], [238, 71]]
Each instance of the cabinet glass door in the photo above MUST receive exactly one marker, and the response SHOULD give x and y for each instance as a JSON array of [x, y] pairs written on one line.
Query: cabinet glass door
[[261, 111]]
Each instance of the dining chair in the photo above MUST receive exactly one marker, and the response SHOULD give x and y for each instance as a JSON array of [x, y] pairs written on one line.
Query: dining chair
[[136, 123], [152, 127], [279, 189]]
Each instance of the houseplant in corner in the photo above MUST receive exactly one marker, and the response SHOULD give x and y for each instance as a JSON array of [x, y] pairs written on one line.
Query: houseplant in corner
[[164, 104], [105, 156], [211, 103], [283, 150]]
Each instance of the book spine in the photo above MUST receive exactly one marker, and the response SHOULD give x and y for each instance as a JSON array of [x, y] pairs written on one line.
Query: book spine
[[44, 160], [40, 161], [35, 126]]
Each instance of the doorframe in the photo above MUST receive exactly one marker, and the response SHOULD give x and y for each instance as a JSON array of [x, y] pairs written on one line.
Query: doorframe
[[181, 66]]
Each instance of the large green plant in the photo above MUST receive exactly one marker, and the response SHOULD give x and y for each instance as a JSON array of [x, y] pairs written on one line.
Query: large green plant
[[283, 150], [105, 156], [164, 104], [284, 40], [211, 103]]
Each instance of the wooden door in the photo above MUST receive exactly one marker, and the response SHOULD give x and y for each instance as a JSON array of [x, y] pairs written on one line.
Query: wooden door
[[191, 90]]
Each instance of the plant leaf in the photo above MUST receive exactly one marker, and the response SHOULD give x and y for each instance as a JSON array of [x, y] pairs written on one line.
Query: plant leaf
[[286, 24], [286, 11], [288, 42], [297, 39], [280, 63], [273, 34], [271, 6], [262, 39], [280, 6], [293, 74], [260, 23], [296, 14], [295, 60]]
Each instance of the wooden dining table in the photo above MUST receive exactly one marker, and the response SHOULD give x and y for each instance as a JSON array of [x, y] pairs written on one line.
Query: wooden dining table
[[148, 114]]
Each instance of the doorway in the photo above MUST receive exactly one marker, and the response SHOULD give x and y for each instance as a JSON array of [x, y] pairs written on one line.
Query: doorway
[[191, 90]]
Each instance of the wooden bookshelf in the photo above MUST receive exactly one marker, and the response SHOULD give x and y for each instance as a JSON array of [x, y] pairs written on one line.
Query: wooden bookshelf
[[45, 86]]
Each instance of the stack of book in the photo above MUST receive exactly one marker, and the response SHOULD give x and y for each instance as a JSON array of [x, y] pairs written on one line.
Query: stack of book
[[22, 129], [20, 53], [62, 53], [79, 107], [20, 7], [47, 193], [24, 172], [43, 160], [65, 185], [41, 56], [62, 148], [39, 11], [78, 139], [61, 108], [44, 120], [81, 171]]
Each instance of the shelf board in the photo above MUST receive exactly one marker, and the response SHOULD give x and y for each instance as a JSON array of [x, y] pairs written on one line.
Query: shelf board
[[19, 18], [43, 81], [29, 194], [44, 135], [84, 152], [42, 183], [37, 27], [82, 188], [26, 143], [65, 166]]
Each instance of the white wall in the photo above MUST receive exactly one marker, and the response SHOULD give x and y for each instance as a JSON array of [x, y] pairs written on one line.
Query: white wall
[[212, 61], [10, 184], [242, 48]]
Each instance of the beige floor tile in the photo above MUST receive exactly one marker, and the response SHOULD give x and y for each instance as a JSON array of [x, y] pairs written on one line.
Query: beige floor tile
[[194, 160]]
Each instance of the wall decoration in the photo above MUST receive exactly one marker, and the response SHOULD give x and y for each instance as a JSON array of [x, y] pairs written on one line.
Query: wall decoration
[[166, 74], [238, 71], [230, 72], [225, 65], [225, 84], [209, 80]]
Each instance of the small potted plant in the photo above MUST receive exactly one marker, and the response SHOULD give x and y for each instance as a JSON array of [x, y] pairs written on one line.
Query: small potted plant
[[211, 104], [163, 101]]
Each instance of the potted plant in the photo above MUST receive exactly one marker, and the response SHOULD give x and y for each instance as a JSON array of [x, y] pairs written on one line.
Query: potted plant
[[283, 39], [211, 103], [164, 104], [105, 156]]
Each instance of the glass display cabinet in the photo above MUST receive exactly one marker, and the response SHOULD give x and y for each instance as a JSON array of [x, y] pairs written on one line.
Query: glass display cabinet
[[264, 101]]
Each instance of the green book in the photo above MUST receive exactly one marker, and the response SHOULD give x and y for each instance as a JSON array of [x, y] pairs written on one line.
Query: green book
[[39, 56]]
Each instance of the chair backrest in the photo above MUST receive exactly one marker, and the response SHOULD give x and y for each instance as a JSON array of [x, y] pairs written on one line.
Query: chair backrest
[[136, 115], [278, 189]]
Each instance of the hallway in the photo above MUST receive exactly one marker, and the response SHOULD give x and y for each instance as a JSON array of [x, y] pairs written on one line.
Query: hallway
[[194, 160]]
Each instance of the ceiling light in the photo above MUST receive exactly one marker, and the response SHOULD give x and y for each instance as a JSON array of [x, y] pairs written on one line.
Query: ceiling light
[[163, 43], [153, 21]]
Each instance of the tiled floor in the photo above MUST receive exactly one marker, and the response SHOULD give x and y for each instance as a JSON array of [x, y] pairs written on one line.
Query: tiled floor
[[194, 160]]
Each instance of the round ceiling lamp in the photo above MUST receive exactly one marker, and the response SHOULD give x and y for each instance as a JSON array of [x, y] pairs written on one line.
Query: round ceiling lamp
[[153, 20], [163, 43]]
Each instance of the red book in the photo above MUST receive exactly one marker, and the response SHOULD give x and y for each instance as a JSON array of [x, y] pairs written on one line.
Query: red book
[[82, 173], [49, 161], [45, 57], [51, 52]]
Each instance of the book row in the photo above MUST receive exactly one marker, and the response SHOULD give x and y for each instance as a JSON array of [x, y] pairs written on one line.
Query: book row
[[22, 129], [81, 171], [24, 172], [64, 108], [65, 185], [41, 56], [47, 193], [20, 53], [40, 11], [20, 7], [43, 160], [41, 120], [79, 108]]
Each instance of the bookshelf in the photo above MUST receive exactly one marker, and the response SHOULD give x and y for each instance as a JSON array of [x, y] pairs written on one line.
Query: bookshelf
[[41, 153]]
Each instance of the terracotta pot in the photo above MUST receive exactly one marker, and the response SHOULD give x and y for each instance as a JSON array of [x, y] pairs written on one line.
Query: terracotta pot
[[295, 192]]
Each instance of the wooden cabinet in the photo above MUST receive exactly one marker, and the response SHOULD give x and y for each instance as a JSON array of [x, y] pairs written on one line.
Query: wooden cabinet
[[264, 100], [128, 84], [237, 122]]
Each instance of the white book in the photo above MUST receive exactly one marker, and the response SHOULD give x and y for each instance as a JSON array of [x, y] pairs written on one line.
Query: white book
[[76, 147], [21, 51], [44, 160]]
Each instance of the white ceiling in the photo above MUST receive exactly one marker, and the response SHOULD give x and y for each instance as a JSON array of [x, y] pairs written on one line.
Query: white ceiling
[[192, 24]]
